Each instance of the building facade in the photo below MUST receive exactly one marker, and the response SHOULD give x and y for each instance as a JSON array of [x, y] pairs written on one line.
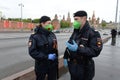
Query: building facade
[[94, 22]]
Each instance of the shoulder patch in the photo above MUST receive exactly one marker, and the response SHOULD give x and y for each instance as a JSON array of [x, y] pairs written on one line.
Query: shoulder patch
[[55, 44], [99, 42]]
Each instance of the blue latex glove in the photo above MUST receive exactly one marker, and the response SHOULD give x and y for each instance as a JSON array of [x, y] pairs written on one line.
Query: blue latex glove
[[65, 63], [72, 47], [52, 57]]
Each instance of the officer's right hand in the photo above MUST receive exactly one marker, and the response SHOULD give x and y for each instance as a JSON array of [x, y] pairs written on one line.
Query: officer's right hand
[[72, 47], [65, 63], [52, 56]]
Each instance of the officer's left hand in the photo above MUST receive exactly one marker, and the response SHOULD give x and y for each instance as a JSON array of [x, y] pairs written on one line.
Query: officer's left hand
[[52, 56], [65, 63], [72, 47]]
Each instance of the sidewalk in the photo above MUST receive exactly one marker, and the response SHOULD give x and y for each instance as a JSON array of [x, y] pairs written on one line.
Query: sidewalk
[[107, 64]]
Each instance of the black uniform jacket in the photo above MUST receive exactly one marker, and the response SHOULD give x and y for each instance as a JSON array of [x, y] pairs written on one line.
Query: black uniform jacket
[[89, 43], [42, 43], [113, 33]]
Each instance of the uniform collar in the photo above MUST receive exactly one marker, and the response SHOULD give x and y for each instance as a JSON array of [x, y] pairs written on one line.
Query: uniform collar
[[85, 27], [41, 30]]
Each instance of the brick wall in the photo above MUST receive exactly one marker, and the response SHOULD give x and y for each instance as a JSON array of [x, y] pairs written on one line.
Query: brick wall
[[5, 24]]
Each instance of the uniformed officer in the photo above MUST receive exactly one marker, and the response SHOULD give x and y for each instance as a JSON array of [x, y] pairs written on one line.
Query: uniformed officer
[[84, 44], [43, 48], [113, 34]]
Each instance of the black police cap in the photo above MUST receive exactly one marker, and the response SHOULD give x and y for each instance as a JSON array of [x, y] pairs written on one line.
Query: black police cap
[[80, 13], [44, 19]]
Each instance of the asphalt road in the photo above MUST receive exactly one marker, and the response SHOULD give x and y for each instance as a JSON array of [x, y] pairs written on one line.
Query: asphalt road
[[14, 55], [108, 63]]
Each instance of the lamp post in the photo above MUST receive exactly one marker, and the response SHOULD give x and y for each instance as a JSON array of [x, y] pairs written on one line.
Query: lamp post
[[113, 31], [21, 5], [0, 15], [116, 12], [119, 23]]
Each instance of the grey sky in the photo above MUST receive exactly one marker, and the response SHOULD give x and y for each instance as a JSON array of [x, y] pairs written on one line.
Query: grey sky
[[105, 9]]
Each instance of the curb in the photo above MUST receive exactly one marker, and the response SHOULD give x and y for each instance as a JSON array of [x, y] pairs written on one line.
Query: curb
[[29, 74]]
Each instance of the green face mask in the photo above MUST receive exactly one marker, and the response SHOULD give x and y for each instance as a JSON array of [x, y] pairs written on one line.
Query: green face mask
[[49, 27], [76, 25]]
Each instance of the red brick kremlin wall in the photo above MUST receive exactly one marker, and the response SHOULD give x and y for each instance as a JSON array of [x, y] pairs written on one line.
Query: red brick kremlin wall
[[5, 24]]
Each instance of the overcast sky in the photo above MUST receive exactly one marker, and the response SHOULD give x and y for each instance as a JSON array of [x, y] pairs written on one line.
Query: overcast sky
[[105, 9]]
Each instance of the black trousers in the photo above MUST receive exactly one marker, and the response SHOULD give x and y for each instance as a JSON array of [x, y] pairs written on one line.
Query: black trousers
[[42, 71], [51, 75], [113, 42], [81, 71]]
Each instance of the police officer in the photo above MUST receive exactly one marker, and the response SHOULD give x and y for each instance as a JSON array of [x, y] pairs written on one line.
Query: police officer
[[84, 44], [113, 33], [43, 48]]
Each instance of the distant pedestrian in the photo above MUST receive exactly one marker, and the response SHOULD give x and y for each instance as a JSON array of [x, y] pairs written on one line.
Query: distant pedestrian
[[113, 34]]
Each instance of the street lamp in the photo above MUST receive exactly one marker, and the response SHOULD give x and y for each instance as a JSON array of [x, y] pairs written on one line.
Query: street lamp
[[113, 42], [0, 15], [119, 22], [21, 5], [116, 13]]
